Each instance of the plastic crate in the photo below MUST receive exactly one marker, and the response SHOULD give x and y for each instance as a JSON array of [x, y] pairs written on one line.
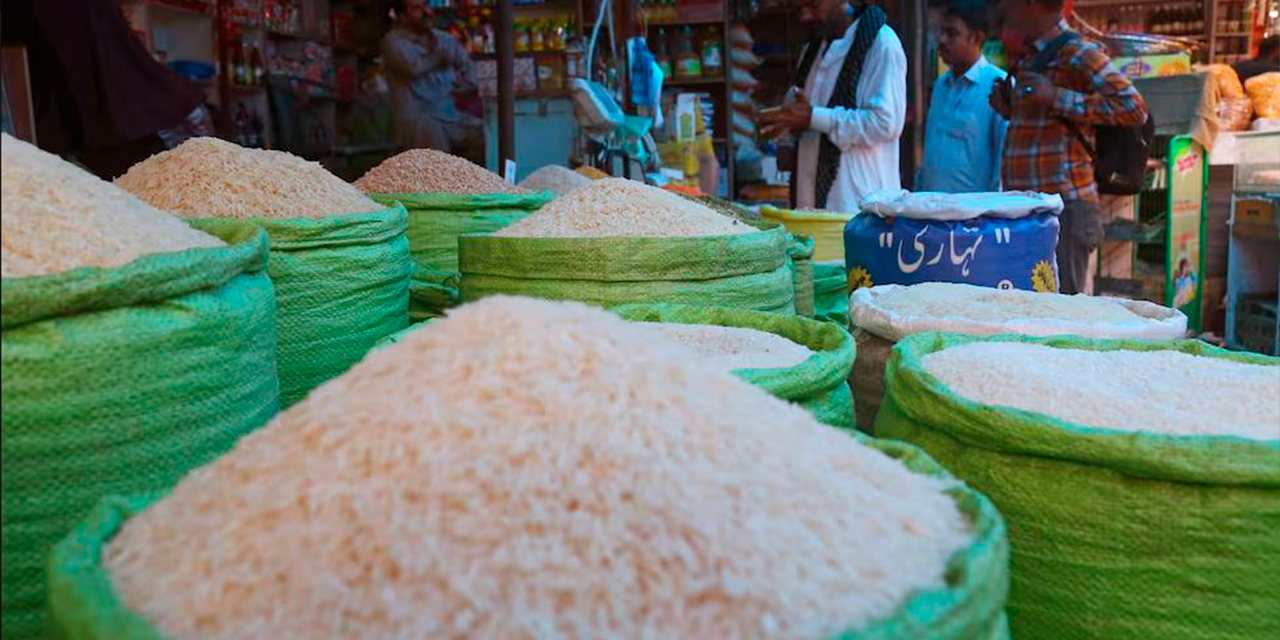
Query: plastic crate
[[1256, 323]]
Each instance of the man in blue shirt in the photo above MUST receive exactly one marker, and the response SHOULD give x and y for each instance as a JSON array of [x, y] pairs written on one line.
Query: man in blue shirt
[[964, 138]]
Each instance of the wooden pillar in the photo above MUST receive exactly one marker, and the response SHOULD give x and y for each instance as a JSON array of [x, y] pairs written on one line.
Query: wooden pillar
[[503, 32]]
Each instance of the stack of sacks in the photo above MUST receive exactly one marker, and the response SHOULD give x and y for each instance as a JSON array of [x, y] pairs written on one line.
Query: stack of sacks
[[742, 64], [339, 261], [135, 349], [528, 469]]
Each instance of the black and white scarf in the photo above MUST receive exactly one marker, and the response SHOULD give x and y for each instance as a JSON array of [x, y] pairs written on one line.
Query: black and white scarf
[[845, 94]]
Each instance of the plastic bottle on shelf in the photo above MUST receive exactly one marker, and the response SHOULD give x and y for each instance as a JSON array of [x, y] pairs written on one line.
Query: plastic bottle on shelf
[[712, 53], [660, 54], [688, 65]]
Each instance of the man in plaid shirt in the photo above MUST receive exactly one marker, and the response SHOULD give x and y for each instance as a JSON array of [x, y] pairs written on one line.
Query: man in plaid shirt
[[1041, 153]]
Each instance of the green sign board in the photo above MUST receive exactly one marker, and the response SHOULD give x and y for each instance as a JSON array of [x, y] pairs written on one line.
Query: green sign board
[[1184, 268]]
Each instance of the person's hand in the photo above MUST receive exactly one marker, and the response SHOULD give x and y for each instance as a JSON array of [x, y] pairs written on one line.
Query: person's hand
[[999, 98], [791, 118], [1036, 88]]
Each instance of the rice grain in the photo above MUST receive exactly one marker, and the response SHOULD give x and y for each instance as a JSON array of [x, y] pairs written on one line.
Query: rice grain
[[560, 180], [208, 177], [1166, 392], [733, 348], [431, 171], [55, 217], [617, 207], [525, 468]]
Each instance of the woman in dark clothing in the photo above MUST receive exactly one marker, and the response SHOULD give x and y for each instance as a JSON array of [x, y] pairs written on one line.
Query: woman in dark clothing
[[97, 93]]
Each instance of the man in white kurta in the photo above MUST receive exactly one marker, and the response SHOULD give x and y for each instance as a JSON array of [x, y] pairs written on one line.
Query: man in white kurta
[[866, 135]]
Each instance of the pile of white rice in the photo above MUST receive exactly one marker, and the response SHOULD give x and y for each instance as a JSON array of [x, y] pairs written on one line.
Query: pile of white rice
[[208, 177], [617, 207], [1166, 392], [558, 179], [732, 348], [946, 300], [524, 469], [55, 216], [431, 171]]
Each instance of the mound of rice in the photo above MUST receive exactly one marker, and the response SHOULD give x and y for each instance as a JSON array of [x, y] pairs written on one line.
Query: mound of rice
[[431, 171], [55, 216], [617, 207], [209, 177], [1165, 392], [939, 300], [592, 172], [559, 179], [526, 468], [732, 348]]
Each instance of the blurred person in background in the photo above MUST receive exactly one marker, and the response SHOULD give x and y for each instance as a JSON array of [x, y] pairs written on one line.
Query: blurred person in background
[[425, 67], [98, 95], [1059, 90], [848, 107], [1268, 59], [964, 136]]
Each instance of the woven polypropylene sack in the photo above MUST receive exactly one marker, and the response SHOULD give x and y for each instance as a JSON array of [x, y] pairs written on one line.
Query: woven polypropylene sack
[[435, 222], [1117, 535], [743, 271], [342, 284], [968, 607], [120, 381], [867, 379], [830, 294], [818, 384], [801, 253]]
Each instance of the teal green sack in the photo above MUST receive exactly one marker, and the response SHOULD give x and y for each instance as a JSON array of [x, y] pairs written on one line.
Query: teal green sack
[[119, 381], [803, 275], [1116, 535], [831, 298], [970, 607], [818, 384], [342, 284], [744, 271], [435, 222]]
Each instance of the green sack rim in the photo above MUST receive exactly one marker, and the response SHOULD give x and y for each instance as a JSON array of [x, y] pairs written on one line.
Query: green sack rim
[[826, 369], [84, 606], [802, 248], [630, 259], [828, 278], [327, 232], [1218, 460], [465, 202], [166, 275]]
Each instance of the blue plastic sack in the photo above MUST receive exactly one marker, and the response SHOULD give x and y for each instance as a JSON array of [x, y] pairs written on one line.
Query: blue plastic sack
[[985, 251]]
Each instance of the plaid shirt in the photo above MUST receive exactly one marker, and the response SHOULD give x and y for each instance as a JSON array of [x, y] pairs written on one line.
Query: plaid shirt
[[1040, 152]]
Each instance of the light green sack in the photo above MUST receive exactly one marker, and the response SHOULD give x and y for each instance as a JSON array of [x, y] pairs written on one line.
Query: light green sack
[[341, 285], [802, 275], [122, 380], [435, 222], [969, 607], [744, 271], [831, 300], [1116, 535], [817, 384]]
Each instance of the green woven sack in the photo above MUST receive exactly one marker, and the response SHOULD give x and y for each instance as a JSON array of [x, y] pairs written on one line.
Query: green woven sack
[[120, 381], [802, 275], [817, 384], [745, 271], [831, 300], [435, 222], [1116, 535], [970, 607], [341, 285]]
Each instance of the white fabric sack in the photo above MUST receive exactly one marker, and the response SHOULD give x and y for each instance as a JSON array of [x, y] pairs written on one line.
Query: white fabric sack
[[926, 205], [1154, 322]]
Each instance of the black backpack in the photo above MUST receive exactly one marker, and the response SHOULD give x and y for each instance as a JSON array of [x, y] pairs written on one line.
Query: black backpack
[[1120, 158]]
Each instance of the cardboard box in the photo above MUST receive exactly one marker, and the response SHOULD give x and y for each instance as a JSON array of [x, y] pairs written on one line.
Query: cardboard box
[[1152, 66]]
